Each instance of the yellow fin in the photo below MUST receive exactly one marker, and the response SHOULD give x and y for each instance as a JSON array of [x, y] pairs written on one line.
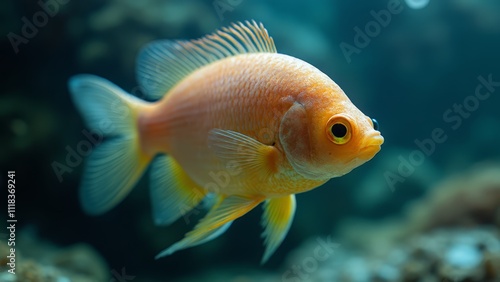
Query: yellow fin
[[173, 193], [277, 219], [248, 154], [215, 222], [161, 64]]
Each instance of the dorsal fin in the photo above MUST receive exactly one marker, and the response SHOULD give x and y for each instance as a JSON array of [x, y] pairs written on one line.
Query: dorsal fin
[[161, 64]]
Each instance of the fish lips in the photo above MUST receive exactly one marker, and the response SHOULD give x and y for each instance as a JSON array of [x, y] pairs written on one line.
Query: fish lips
[[371, 146]]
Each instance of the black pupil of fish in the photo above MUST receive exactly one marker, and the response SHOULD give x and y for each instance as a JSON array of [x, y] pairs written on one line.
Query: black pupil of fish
[[375, 124], [339, 130]]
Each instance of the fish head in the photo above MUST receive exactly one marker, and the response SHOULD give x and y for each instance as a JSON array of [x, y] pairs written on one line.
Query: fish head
[[349, 140], [326, 136]]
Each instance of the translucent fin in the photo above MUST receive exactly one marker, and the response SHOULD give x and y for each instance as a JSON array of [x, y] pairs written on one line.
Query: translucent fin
[[114, 167], [209, 201], [111, 171], [104, 106], [173, 193], [214, 234], [277, 219], [249, 154], [215, 222], [163, 63]]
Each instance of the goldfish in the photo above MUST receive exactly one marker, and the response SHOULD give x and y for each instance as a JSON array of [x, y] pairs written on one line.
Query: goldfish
[[226, 117]]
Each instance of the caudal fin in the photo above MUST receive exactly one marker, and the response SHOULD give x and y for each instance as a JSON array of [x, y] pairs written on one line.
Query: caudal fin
[[115, 166]]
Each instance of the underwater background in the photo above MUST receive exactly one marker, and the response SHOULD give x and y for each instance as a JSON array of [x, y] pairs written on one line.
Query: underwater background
[[426, 208]]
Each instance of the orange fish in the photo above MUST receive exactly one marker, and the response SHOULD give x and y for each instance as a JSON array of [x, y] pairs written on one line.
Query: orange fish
[[231, 118]]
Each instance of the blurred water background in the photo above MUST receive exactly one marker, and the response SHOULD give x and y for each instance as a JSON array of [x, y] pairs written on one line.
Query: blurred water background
[[426, 207]]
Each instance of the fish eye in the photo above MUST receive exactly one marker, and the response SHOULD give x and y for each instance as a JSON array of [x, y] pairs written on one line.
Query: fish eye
[[339, 130], [375, 124]]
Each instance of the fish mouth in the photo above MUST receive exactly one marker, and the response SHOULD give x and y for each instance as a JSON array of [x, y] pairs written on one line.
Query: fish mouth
[[374, 139], [371, 146]]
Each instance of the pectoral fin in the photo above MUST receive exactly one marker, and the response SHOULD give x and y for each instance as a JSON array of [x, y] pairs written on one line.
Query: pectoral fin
[[277, 218], [253, 157], [215, 222]]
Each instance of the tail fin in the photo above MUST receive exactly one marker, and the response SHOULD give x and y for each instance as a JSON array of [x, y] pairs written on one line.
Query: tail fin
[[115, 166]]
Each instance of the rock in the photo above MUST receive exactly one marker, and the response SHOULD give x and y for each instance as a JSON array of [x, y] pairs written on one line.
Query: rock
[[39, 261]]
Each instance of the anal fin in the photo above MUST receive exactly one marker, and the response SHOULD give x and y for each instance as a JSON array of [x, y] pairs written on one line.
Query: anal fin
[[173, 193], [277, 219], [215, 222]]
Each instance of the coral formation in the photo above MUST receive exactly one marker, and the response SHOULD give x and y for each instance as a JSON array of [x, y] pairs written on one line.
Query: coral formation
[[468, 199]]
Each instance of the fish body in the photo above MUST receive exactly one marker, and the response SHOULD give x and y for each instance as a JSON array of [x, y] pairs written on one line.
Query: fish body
[[180, 123], [232, 118]]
